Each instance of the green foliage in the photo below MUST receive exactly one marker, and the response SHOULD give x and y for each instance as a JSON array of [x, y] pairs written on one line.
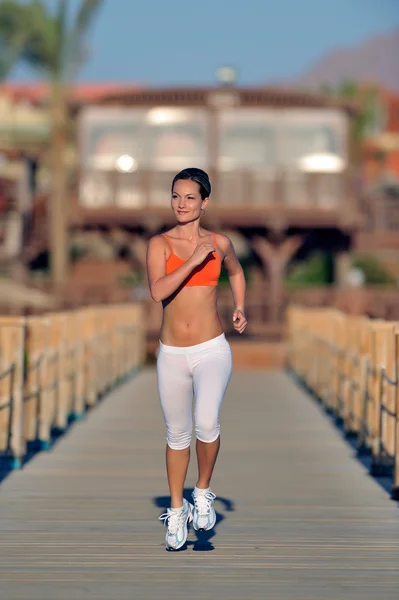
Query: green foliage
[[44, 39], [313, 271], [13, 26], [369, 114], [375, 272], [316, 269], [133, 279], [76, 252], [246, 264]]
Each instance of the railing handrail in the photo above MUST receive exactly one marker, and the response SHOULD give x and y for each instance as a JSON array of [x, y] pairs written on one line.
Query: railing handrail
[[351, 363], [54, 367]]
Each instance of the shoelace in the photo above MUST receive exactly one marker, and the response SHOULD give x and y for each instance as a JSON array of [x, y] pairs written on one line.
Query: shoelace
[[172, 520], [203, 502]]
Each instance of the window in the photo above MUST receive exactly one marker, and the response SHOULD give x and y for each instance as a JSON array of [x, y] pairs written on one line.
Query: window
[[177, 138], [310, 134], [160, 138], [247, 139]]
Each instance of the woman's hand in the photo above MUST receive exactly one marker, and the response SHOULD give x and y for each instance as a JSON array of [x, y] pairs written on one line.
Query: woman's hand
[[239, 320], [200, 253]]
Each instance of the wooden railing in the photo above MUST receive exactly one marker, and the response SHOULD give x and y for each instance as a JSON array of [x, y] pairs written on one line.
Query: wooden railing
[[381, 212], [351, 363], [239, 187], [56, 366], [377, 302]]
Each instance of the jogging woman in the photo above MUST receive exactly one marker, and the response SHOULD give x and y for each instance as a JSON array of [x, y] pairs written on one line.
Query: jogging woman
[[194, 357]]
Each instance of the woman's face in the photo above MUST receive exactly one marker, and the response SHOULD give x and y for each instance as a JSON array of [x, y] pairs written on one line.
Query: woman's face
[[186, 201]]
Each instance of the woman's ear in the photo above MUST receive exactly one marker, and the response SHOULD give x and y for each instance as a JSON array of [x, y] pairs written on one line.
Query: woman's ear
[[204, 204]]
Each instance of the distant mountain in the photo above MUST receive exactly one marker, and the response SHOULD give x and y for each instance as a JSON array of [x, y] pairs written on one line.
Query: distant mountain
[[374, 61]]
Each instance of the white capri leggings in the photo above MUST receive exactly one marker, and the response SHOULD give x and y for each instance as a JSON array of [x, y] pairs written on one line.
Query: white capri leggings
[[203, 371]]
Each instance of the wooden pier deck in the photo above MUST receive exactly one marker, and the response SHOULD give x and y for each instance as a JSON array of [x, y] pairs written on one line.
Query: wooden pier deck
[[298, 516]]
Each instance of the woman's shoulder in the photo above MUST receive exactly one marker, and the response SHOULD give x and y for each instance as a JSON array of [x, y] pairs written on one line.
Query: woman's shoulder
[[222, 241], [160, 238], [158, 243], [220, 237]]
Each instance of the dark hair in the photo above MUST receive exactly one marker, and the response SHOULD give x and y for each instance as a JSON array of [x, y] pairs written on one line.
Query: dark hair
[[197, 175]]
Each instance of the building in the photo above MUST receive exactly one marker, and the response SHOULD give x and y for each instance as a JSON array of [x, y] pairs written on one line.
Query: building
[[280, 164], [278, 161]]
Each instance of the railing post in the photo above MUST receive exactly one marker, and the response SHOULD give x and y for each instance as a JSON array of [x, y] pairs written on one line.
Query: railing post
[[362, 436], [18, 444], [47, 396], [382, 332], [80, 400], [12, 383], [395, 486]]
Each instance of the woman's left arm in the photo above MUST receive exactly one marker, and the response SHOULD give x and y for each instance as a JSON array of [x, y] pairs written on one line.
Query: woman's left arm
[[237, 282]]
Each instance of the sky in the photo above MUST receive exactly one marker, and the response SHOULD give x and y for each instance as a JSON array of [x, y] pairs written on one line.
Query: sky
[[172, 42]]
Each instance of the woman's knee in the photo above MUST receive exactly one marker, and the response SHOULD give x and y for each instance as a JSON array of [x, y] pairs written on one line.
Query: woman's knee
[[207, 431], [178, 440]]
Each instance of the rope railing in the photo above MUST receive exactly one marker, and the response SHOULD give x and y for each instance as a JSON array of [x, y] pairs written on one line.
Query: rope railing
[[351, 363], [56, 366]]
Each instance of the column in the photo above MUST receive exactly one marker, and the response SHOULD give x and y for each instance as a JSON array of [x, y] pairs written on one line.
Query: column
[[342, 268], [275, 258]]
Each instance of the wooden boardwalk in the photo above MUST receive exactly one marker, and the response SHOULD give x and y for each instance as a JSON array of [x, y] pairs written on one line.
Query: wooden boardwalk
[[299, 517]]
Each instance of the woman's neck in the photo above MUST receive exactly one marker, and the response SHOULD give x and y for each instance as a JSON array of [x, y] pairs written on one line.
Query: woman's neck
[[188, 231]]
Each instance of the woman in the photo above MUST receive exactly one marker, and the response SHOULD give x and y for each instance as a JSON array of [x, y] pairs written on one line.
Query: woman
[[194, 358]]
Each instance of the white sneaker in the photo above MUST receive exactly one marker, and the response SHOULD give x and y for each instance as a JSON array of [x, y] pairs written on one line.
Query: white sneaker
[[204, 513], [176, 521]]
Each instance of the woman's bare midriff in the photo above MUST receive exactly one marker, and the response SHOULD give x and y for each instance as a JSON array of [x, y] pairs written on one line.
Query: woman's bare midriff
[[191, 317]]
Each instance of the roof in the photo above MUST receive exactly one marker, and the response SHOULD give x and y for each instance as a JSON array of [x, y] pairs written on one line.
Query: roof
[[249, 96], [115, 93], [37, 93]]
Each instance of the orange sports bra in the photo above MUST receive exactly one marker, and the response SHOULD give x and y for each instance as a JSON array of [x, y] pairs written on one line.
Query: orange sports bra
[[206, 274]]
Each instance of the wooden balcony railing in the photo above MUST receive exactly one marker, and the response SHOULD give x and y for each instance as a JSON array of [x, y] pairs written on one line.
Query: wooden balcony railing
[[240, 187], [381, 213]]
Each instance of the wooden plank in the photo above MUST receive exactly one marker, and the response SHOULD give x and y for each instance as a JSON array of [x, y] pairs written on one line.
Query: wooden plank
[[298, 516]]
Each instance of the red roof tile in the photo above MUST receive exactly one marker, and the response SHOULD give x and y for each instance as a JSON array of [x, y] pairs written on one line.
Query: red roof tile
[[83, 92]]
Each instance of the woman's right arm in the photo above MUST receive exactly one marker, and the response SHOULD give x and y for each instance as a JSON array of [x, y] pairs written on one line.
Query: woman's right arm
[[162, 285]]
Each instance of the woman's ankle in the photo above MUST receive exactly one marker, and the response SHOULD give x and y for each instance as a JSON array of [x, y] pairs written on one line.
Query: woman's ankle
[[203, 485], [176, 502]]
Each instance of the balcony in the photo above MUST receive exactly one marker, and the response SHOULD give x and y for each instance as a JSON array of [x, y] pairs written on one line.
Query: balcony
[[285, 166], [279, 198]]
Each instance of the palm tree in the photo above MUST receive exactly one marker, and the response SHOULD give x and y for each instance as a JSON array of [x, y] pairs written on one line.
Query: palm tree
[[55, 49]]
